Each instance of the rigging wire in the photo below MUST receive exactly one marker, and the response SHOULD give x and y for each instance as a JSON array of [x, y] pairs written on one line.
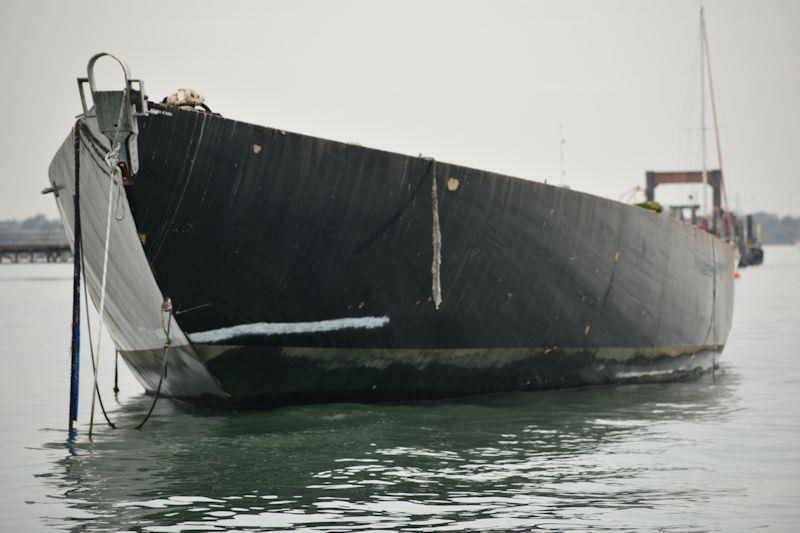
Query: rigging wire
[[714, 115], [703, 118], [690, 151]]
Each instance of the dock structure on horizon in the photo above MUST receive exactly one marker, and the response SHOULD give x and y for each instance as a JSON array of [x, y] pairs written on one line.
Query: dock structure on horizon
[[34, 246]]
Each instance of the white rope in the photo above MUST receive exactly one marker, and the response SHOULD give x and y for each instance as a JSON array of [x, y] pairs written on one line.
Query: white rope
[[185, 98], [111, 160], [101, 309]]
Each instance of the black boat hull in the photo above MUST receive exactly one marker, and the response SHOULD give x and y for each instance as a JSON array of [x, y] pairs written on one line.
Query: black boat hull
[[303, 269]]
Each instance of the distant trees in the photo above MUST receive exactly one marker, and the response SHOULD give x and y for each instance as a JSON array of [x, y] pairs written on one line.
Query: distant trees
[[37, 222], [777, 230]]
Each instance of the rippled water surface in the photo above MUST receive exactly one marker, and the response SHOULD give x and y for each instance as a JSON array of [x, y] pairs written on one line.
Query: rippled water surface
[[718, 453]]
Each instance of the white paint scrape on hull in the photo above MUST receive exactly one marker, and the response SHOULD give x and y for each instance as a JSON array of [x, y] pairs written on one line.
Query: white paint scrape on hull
[[282, 328]]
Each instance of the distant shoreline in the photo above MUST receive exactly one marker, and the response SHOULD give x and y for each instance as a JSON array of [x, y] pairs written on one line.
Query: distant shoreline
[[774, 229]]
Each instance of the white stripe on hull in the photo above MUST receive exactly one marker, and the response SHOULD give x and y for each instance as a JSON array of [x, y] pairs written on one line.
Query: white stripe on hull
[[283, 328]]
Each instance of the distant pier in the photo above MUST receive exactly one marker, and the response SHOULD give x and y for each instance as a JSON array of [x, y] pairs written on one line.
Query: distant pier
[[34, 246]]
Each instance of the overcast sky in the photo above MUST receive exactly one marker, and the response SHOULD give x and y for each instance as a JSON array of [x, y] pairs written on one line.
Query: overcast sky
[[483, 84]]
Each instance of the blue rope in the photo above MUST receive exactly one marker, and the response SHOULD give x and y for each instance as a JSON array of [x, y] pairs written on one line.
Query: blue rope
[[76, 292], [76, 316]]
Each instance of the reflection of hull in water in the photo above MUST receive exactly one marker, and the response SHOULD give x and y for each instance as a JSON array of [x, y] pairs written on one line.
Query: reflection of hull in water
[[522, 449], [303, 269]]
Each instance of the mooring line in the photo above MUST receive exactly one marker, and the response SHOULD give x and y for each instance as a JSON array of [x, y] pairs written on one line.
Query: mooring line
[[80, 265], [91, 349], [111, 160], [116, 373], [103, 282], [166, 309]]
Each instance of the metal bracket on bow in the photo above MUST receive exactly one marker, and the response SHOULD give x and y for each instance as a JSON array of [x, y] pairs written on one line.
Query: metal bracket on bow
[[116, 112]]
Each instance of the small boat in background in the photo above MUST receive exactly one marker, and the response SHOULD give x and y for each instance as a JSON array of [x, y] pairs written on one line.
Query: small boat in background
[[749, 239]]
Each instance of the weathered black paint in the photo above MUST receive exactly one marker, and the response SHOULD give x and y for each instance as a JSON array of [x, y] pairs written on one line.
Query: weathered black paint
[[259, 376], [245, 224], [309, 229]]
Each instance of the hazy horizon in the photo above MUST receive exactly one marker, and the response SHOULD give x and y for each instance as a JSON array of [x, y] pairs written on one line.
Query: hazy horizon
[[487, 85]]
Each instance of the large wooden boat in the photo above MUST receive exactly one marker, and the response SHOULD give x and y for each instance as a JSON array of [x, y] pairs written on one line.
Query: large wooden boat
[[301, 269]]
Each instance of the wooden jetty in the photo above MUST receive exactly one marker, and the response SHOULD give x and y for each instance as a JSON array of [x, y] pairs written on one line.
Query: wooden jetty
[[34, 246]]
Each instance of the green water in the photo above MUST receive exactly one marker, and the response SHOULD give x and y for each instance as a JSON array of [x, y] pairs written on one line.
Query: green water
[[718, 453]]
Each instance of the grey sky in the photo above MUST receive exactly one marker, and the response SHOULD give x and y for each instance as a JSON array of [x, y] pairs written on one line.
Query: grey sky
[[484, 84]]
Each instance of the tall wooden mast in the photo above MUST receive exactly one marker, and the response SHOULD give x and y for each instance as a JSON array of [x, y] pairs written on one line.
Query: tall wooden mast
[[705, 66]]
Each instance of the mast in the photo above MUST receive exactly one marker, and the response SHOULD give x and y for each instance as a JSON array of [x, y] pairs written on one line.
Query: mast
[[724, 205], [703, 109]]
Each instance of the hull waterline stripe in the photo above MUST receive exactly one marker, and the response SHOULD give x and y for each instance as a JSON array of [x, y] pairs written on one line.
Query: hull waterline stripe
[[284, 328]]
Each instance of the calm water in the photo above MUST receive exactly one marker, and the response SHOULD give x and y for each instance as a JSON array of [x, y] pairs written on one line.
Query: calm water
[[713, 454]]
